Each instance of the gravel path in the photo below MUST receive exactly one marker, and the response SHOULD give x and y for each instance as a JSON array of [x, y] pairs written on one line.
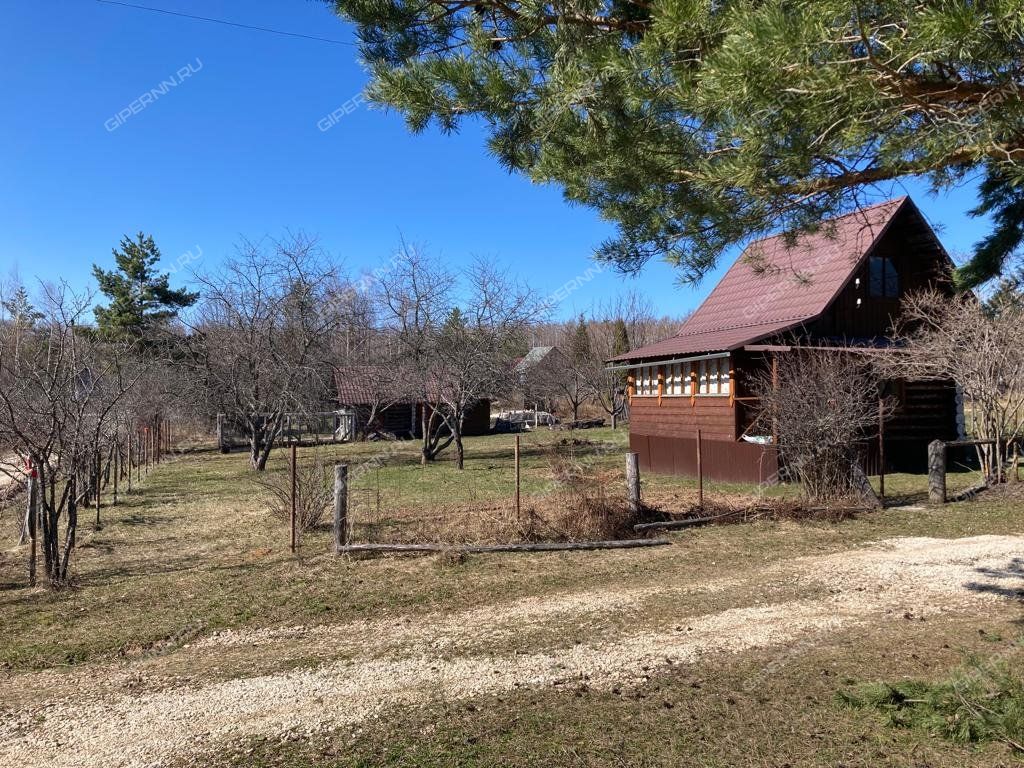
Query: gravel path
[[877, 583]]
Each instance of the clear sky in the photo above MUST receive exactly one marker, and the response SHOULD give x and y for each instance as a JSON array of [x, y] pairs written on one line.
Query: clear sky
[[234, 147]]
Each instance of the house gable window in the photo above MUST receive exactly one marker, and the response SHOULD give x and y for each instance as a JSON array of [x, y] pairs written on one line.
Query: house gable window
[[883, 280]]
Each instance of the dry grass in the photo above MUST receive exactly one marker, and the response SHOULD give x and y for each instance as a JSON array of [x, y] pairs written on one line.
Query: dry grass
[[584, 500], [193, 550]]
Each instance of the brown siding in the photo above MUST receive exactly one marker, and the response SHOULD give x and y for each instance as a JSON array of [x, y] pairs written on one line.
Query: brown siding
[[678, 416], [476, 422], [722, 460]]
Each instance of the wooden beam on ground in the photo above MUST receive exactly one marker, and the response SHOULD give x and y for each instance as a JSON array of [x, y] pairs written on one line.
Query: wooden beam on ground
[[472, 549], [693, 522]]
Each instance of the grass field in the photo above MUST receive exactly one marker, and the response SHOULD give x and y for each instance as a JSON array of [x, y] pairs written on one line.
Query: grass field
[[193, 552]]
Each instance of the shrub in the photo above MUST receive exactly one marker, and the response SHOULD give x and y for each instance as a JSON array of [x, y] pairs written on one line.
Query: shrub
[[314, 492]]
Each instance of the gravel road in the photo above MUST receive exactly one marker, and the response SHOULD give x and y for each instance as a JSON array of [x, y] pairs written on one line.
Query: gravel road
[[99, 727]]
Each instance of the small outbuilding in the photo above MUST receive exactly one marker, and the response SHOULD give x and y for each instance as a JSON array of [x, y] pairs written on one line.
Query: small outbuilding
[[381, 403]]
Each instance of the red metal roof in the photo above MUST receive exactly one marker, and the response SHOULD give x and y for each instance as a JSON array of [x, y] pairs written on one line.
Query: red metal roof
[[776, 285]]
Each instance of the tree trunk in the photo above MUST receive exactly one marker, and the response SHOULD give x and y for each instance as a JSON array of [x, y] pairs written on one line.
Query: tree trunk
[[33, 518], [425, 455], [460, 452], [69, 536], [267, 437]]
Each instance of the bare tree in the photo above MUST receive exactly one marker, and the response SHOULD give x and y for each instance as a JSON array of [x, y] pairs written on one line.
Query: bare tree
[[453, 356], [979, 348], [414, 298], [260, 342], [62, 393], [819, 404], [576, 384], [477, 346]]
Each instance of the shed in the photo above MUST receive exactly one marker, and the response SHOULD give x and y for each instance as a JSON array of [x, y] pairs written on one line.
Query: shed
[[375, 392]]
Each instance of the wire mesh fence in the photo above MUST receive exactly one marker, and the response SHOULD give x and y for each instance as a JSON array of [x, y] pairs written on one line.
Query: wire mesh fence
[[568, 490]]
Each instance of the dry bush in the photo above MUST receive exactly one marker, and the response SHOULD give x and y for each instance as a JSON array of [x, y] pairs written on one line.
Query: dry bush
[[820, 404], [981, 348], [314, 492]]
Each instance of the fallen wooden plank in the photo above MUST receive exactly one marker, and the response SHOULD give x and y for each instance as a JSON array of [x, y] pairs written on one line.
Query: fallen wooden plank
[[689, 523], [567, 546]]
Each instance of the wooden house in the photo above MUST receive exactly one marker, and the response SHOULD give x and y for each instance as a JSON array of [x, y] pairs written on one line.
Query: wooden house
[[380, 403], [838, 287]]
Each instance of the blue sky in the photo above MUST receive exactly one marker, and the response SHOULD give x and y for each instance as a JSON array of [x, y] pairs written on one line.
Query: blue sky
[[233, 148]]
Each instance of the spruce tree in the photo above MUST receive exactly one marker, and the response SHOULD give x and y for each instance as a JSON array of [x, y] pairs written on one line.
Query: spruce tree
[[20, 309], [695, 125], [580, 352], [140, 299]]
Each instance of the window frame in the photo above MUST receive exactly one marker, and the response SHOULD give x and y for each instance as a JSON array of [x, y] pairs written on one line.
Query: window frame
[[707, 377], [888, 283]]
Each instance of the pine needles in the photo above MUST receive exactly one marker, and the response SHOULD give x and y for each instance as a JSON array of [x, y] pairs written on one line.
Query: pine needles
[[983, 702]]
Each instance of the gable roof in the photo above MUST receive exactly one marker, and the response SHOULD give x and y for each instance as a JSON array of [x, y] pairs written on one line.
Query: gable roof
[[531, 358], [367, 384], [535, 357], [776, 285]]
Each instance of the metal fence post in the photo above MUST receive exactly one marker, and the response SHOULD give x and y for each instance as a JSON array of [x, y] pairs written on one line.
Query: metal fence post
[[517, 477], [293, 517], [341, 532]]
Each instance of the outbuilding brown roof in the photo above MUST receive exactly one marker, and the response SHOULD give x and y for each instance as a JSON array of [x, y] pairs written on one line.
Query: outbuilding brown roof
[[777, 284]]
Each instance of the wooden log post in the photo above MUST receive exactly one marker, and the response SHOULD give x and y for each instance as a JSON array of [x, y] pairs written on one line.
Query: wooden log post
[[341, 531], [633, 481], [937, 472], [294, 497], [518, 477], [881, 451], [116, 458], [700, 471]]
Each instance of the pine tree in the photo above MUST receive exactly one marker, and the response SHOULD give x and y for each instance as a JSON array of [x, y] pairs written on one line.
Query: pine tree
[[1001, 197], [579, 346], [694, 125], [141, 300]]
